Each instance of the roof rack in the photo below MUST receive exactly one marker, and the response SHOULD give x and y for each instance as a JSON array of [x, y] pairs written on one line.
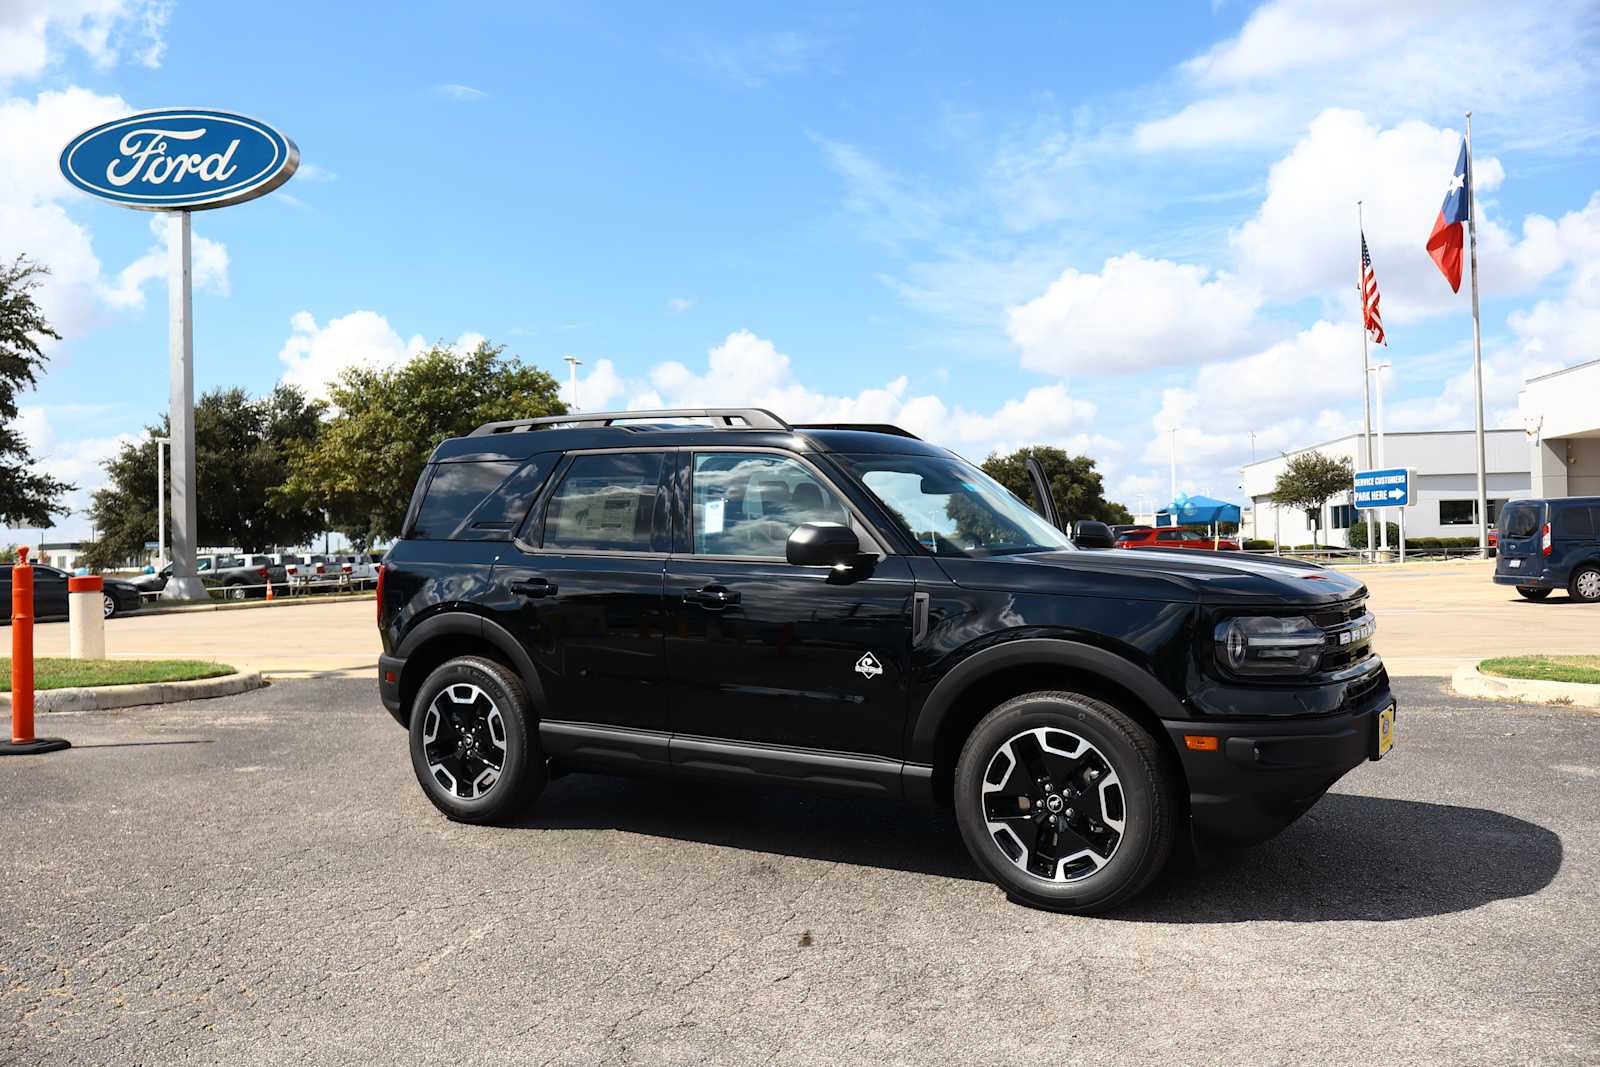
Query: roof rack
[[725, 418], [869, 427]]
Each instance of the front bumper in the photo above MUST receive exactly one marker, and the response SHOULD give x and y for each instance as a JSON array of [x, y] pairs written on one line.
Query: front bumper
[[390, 671], [1265, 775]]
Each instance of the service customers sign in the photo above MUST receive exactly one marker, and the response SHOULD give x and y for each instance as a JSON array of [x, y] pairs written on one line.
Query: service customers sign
[[179, 159]]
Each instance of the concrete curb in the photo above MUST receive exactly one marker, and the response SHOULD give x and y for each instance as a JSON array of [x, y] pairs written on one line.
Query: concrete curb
[[109, 697], [251, 605], [1469, 681]]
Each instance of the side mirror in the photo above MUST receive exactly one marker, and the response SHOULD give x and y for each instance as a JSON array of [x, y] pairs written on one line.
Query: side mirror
[[822, 544], [1086, 533]]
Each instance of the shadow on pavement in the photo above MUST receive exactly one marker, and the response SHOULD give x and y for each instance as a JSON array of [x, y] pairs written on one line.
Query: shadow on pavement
[[1367, 858], [1350, 857]]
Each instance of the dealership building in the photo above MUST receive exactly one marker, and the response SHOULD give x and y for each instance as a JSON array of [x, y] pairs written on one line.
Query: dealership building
[[1556, 452]]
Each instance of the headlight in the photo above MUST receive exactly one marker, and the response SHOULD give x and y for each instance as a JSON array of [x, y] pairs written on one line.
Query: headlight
[[1267, 645]]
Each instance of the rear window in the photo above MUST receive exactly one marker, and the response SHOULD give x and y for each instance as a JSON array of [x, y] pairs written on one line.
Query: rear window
[[479, 501], [1519, 521], [1133, 535]]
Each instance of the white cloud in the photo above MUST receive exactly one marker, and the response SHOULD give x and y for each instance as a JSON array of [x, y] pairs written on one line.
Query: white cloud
[[35, 219], [679, 304], [208, 260], [753, 61], [459, 94], [891, 207], [310, 172], [316, 355], [74, 457], [1430, 57], [1134, 315], [1303, 238], [33, 33]]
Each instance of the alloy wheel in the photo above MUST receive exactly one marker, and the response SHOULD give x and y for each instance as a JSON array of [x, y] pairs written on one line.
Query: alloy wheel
[[108, 605], [464, 740], [1588, 585], [1053, 804]]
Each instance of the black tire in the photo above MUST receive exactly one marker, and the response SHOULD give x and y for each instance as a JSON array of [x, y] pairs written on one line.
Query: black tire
[[522, 773], [236, 591], [1530, 593], [108, 605], [1585, 584], [1130, 763]]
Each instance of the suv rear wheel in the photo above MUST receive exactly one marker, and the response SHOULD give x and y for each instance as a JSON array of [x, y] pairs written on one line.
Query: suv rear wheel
[[1065, 802], [474, 743], [1586, 584]]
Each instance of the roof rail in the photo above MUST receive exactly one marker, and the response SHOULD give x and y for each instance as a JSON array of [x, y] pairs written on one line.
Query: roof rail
[[869, 427], [725, 418]]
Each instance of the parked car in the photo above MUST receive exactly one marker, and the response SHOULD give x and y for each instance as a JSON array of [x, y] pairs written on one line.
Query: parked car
[[859, 611], [238, 577], [50, 593], [1545, 545], [1173, 537]]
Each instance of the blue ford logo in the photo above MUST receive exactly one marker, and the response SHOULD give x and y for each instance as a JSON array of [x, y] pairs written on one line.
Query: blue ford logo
[[179, 159]]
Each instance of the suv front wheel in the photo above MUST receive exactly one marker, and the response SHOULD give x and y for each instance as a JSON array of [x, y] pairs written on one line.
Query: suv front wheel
[[474, 741], [1066, 802]]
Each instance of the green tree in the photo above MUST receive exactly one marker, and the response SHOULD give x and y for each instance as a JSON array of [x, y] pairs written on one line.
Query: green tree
[[243, 448], [28, 497], [364, 466], [1078, 488], [1309, 480]]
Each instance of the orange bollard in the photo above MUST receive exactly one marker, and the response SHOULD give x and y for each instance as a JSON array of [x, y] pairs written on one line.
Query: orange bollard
[[269, 587], [22, 740]]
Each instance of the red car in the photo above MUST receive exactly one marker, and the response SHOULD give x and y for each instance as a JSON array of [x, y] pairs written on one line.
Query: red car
[[1171, 537]]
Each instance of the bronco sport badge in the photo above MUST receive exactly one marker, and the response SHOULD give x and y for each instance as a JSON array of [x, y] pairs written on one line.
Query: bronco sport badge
[[868, 667]]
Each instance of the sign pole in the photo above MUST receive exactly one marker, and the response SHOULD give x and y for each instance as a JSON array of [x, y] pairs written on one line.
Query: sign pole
[[184, 584]]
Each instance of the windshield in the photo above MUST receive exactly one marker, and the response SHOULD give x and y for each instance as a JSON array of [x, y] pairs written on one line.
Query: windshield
[[953, 508]]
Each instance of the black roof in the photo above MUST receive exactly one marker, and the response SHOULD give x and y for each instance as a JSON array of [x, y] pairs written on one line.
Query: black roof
[[520, 439]]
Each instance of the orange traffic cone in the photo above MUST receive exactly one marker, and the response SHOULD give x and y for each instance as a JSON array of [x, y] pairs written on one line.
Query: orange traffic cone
[[269, 587]]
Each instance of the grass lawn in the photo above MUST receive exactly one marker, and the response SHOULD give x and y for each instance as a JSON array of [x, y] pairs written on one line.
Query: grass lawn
[[70, 673], [1546, 668]]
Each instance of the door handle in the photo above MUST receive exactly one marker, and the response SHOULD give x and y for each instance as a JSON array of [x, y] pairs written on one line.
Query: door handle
[[534, 587], [714, 597]]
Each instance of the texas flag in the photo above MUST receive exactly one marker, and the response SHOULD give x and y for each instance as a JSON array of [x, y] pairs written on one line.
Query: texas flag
[[1444, 244]]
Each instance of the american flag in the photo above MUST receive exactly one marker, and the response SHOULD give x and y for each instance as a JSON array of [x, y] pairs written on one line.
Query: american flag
[[1369, 296]]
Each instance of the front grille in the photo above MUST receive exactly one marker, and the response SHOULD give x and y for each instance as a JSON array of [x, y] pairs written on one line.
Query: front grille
[[1338, 622]]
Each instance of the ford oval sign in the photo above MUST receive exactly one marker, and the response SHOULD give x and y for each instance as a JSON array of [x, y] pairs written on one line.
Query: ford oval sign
[[179, 159]]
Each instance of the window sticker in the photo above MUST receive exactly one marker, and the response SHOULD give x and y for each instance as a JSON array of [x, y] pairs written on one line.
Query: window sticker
[[712, 523]]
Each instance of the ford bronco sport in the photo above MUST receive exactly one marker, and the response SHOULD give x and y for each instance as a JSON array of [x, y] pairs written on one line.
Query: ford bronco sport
[[717, 594]]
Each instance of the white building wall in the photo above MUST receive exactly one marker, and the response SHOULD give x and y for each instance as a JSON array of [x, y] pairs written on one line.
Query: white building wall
[[1561, 412], [1445, 464]]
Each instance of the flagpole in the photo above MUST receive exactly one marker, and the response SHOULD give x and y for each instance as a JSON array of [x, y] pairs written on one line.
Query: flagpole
[[1366, 375], [1477, 353]]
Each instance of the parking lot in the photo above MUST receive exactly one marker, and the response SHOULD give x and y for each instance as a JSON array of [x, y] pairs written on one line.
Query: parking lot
[[1431, 617], [258, 880]]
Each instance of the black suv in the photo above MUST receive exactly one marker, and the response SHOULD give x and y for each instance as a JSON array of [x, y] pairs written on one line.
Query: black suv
[[717, 594]]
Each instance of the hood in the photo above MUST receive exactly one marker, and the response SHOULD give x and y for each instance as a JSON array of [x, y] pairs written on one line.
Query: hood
[[1156, 574]]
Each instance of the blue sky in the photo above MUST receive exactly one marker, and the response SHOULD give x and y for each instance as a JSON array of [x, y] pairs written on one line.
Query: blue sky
[[1037, 224]]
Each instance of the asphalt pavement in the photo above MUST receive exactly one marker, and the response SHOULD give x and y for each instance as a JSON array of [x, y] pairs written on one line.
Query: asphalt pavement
[[258, 879]]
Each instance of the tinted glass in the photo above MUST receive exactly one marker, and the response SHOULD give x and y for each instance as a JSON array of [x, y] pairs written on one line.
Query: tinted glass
[[1574, 521], [1133, 535], [605, 503], [1519, 522], [1457, 512], [954, 509], [748, 503], [455, 490], [502, 511]]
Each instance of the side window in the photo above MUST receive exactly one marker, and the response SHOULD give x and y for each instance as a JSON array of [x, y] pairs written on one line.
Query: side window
[[1575, 521], [203, 565], [455, 490], [748, 503], [502, 511], [605, 503]]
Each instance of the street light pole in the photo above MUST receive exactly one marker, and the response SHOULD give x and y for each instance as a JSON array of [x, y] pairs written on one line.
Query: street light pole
[[574, 363], [161, 500]]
